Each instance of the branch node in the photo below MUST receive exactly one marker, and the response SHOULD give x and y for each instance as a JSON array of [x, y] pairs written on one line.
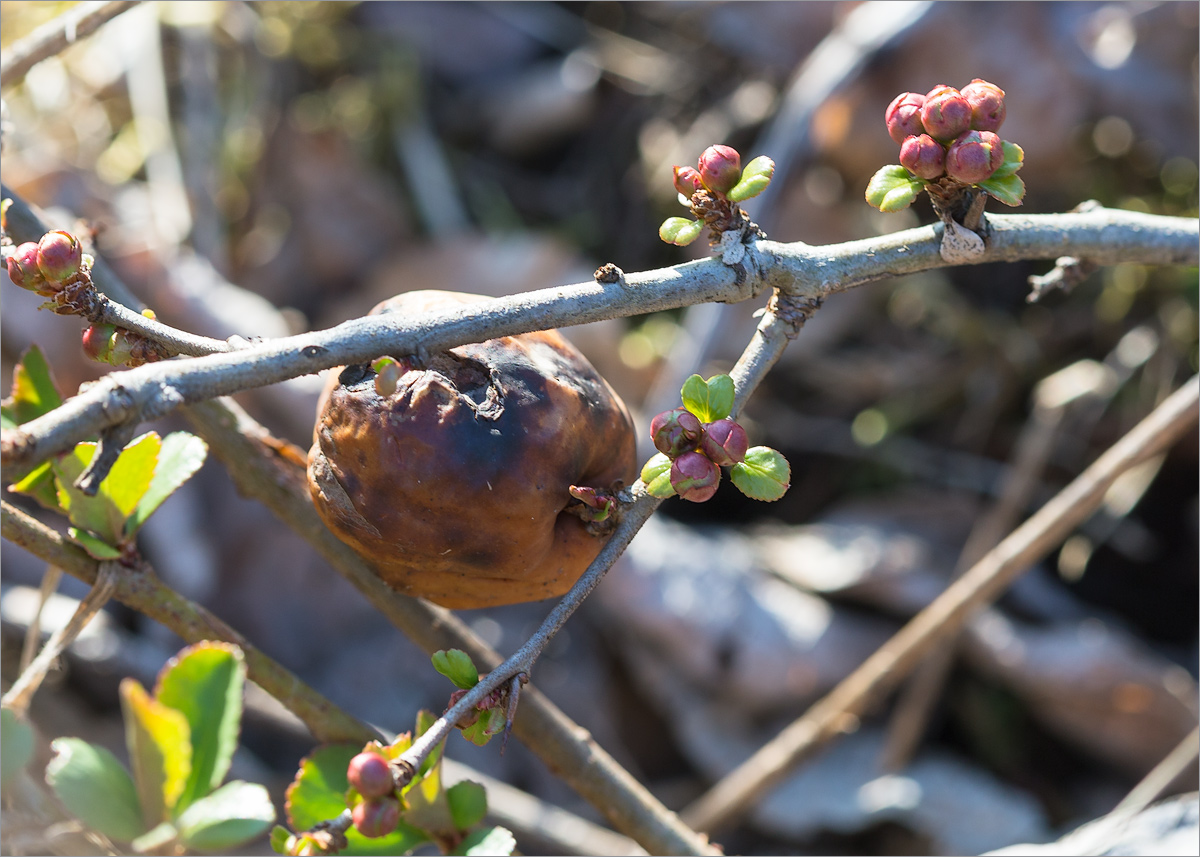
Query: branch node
[[608, 273], [793, 310], [1067, 273]]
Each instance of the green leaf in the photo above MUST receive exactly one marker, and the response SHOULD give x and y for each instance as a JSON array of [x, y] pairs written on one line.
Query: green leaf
[[280, 837], [893, 188], [40, 485], [1010, 190], [468, 803], [764, 475], [426, 796], [656, 473], [1014, 159], [105, 514], [181, 456], [95, 548], [95, 788], [680, 231], [489, 842], [231, 816], [204, 682], [755, 178], [33, 390], [490, 723], [160, 750], [456, 665], [16, 746], [318, 793], [709, 400], [157, 840]]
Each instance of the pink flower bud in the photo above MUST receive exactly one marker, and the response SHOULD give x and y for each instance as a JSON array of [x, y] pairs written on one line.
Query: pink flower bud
[[903, 116], [694, 477], [23, 268], [945, 114], [923, 156], [987, 105], [687, 181], [974, 156], [720, 168], [377, 816], [724, 442], [59, 255], [98, 342], [675, 432], [370, 775]]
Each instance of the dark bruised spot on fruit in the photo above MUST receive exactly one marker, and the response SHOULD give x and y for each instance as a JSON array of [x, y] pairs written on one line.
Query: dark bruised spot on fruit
[[454, 486]]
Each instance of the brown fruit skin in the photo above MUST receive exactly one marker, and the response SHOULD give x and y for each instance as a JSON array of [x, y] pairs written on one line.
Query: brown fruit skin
[[455, 492]]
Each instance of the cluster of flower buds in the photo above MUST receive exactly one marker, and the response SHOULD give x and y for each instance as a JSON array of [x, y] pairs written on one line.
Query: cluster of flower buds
[[948, 135], [695, 441], [378, 812], [712, 191], [48, 266]]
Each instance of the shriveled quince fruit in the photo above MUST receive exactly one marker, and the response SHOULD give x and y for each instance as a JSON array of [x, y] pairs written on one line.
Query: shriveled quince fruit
[[451, 479]]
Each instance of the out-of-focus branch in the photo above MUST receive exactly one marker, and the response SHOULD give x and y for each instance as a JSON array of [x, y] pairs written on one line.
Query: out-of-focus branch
[[55, 36], [987, 579], [1105, 236]]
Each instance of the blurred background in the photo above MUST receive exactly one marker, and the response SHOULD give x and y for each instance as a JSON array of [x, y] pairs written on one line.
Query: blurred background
[[269, 168]]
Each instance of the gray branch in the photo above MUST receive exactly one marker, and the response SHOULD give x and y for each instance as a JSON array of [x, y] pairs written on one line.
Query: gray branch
[[55, 36]]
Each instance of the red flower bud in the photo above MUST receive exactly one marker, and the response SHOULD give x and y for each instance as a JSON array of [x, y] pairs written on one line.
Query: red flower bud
[[720, 168], [98, 342], [376, 817], [675, 432], [23, 268], [945, 114], [974, 156], [687, 181], [370, 775], [59, 255], [923, 156], [724, 442], [694, 477], [987, 105], [903, 116]]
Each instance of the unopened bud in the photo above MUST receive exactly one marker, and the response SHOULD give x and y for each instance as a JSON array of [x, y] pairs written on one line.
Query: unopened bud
[[675, 432], [945, 114], [370, 775], [923, 156], [724, 442], [694, 477], [974, 156], [376, 817], [98, 342], [59, 255], [903, 116], [687, 181], [23, 267], [720, 168], [987, 105]]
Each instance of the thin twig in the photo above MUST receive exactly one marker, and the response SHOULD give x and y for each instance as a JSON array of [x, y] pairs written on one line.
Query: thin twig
[[799, 270], [840, 708], [21, 693], [33, 633], [55, 36]]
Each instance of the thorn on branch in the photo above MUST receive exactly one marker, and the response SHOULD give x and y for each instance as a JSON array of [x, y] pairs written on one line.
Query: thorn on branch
[[112, 442], [1067, 273], [510, 708]]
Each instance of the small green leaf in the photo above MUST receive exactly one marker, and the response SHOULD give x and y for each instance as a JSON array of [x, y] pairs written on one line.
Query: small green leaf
[[755, 178], [231, 816], [1010, 190], [181, 456], [160, 750], [468, 803], [40, 485], [105, 514], [680, 231], [95, 548], [318, 793], [893, 188], [490, 723], [95, 788], [157, 840], [16, 745], [656, 473], [489, 842], [427, 806], [456, 665], [205, 683], [709, 400], [280, 837], [1014, 159], [33, 392], [764, 474]]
